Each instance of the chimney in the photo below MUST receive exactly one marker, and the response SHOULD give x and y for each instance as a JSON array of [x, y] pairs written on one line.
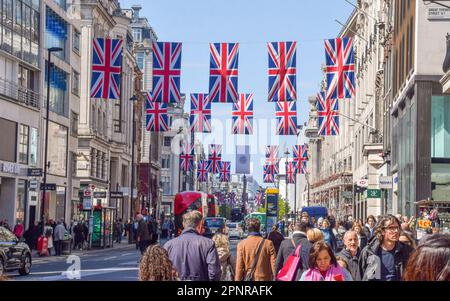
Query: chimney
[[136, 8]]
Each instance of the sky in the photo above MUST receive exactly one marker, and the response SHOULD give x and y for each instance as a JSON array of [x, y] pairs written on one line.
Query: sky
[[251, 23]]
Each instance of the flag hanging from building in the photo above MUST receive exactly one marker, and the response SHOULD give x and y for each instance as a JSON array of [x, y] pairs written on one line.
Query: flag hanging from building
[[328, 113], [225, 171], [282, 71], [200, 119], [187, 157], [156, 115], [166, 72], [202, 173], [340, 67], [242, 159], [214, 157], [106, 68], [223, 80], [243, 115], [232, 199], [286, 114], [258, 198], [272, 154], [300, 158], [291, 172], [270, 171]]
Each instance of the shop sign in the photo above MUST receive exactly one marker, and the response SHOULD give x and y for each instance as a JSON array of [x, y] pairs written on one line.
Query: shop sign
[[374, 193], [100, 194], [424, 223], [385, 182], [48, 187], [8, 167], [116, 195]]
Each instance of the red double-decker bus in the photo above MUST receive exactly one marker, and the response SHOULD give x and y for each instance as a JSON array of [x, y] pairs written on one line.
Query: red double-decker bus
[[193, 200]]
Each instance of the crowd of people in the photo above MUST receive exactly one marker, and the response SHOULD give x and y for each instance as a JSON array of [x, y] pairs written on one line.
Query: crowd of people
[[383, 250]]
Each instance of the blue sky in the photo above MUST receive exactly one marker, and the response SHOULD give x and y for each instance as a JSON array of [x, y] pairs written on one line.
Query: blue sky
[[252, 23]]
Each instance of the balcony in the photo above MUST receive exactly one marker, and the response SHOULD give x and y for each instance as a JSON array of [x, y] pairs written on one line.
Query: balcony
[[19, 94]]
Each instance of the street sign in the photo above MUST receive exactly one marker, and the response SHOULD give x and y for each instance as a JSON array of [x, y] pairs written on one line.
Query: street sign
[[87, 203], [116, 195], [34, 172], [385, 182], [363, 183], [48, 187], [33, 184], [100, 194], [373, 193], [438, 13], [88, 193]]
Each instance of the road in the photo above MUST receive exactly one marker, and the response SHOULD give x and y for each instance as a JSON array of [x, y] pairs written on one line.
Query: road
[[116, 264]]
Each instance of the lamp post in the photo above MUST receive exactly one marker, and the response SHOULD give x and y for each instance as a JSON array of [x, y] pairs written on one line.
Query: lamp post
[[180, 130], [286, 153], [44, 189], [133, 99]]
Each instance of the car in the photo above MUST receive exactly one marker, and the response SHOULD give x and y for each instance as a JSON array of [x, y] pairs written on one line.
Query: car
[[235, 231], [214, 225], [14, 254]]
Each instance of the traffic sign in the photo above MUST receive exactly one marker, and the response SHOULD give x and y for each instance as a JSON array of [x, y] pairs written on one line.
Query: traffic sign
[[363, 183], [88, 193], [373, 193], [48, 187]]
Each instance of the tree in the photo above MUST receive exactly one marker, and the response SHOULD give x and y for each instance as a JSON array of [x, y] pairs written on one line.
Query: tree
[[261, 210], [283, 207]]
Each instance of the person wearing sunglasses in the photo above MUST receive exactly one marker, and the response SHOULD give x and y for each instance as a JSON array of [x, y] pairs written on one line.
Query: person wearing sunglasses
[[385, 257]]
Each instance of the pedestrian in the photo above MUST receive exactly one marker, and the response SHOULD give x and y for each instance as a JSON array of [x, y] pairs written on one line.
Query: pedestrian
[[407, 239], [119, 230], [86, 232], [314, 235], [351, 253], [58, 237], [78, 235], [194, 256], [288, 247], [328, 235], [255, 255], [227, 261], [362, 238], [370, 227], [49, 234], [323, 265], [319, 222], [305, 218], [18, 230], [349, 223], [142, 235], [155, 265], [275, 237], [385, 257], [431, 260]]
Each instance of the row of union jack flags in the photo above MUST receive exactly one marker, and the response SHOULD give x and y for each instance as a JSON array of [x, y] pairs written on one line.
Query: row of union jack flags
[[340, 76], [296, 166]]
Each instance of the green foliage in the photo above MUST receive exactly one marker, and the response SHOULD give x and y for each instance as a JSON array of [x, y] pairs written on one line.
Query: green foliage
[[262, 210], [283, 207]]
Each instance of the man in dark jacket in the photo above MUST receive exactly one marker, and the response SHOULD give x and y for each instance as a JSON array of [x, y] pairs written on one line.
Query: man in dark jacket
[[385, 257], [370, 227], [142, 235], [194, 256], [287, 248], [275, 237], [351, 253]]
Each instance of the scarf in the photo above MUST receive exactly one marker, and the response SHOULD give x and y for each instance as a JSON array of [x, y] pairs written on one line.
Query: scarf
[[314, 274]]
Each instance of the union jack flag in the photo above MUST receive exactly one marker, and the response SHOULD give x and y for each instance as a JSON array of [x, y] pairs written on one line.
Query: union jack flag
[[272, 154], [243, 115], [291, 172], [232, 198], [282, 71], [200, 119], [202, 173], [258, 198], [286, 114], [106, 68], [300, 157], [215, 156], [340, 67], [223, 80], [166, 72], [187, 157], [328, 112], [156, 115], [270, 171], [225, 171]]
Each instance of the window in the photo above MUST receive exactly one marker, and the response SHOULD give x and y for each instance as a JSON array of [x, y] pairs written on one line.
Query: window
[[165, 161], [105, 125], [59, 102], [440, 126], [74, 164], [57, 153], [75, 83], [23, 144], [76, 41], [137, 35], [55, 32], [93, 162], [33, 147], [140, 60], [166, 185], [93, 119], [8, 133], [99, 122], [21, 200], [167, 141], [73, 123]]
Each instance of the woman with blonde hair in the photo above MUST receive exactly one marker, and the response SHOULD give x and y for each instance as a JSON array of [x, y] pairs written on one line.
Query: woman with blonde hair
[[314, 235], [227, 262], [156, 266]]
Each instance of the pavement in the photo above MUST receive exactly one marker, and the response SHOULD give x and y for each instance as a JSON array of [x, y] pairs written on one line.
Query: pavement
[[120, 263]]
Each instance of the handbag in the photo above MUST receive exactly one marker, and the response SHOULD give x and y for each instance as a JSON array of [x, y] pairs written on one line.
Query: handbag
[[289, 269], [249, 276]]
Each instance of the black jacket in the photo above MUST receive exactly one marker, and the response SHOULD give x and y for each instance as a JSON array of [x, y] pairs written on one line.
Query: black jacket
[[352, 262], [286, 249], [370, 261]]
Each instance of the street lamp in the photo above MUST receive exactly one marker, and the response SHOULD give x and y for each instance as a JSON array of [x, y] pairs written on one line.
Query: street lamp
[[180, 130], [133, 99], [286, 153], [49, 64]]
